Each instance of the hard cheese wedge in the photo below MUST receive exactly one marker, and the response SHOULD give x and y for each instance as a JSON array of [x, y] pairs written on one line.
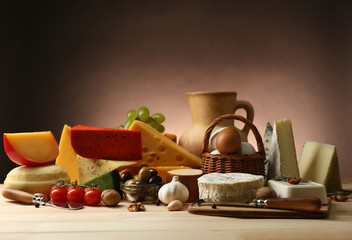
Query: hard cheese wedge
[[67, 156], [106, 143], [282, 155], [319, 163], [31, 148], [159, 150], [89, 168]]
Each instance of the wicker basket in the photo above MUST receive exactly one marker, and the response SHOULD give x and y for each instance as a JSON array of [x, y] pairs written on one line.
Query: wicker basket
[[226, 163]]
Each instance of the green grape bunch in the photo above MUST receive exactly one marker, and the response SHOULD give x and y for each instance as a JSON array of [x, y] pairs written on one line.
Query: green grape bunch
[[143, 114]]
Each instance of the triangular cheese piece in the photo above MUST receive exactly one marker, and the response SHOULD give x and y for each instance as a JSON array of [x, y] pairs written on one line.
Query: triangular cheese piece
[[319, 163], [159, 150], [282, 155], [67, 156], [89, 168]]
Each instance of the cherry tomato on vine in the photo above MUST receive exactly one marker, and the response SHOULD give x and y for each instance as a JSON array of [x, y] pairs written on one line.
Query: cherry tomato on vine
[[92, 196], [58, 194], [75, 194]]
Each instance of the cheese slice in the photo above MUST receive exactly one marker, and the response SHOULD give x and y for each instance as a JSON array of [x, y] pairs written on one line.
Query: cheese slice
[[319, 163], [67, 156], [35, 179], [159, 150], [229, 187], [89, 168], [282, 154]]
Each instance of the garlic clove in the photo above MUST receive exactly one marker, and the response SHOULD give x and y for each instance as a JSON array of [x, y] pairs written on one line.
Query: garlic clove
[[175, 205]]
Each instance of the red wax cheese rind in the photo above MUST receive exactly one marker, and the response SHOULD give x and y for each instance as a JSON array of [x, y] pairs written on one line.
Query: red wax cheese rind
[[106, 143], [31, 148]]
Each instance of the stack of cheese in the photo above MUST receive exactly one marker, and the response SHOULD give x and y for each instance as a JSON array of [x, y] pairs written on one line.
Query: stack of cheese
[[151, 149], [34, 151], [81, 148]]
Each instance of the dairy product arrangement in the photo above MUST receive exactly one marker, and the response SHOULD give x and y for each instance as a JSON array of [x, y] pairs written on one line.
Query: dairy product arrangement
[[141, 157]]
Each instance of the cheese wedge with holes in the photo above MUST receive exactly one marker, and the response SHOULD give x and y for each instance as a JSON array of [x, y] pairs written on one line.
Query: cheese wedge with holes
[[159, 150], [319, 163], [89, 168], [67, 156], [282, 154]]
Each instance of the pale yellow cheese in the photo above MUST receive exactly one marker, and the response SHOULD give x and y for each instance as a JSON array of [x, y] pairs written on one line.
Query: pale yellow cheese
[[319, 163], [159, 150], [35, 179], [89, 168], [67, 156], [282, 154]]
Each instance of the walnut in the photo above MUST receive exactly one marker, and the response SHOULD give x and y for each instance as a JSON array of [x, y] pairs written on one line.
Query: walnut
[[293, 180], [135, 207], [339, 198]]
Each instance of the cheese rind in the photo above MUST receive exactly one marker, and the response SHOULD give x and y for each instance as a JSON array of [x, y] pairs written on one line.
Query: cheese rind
[[303, 189], [319, 163], [109, 180], [282, 155], [267, 143], [35, 179], [67, 156], [89, 168], [31, 148], [229, 187], [106, 143], [158, 150]]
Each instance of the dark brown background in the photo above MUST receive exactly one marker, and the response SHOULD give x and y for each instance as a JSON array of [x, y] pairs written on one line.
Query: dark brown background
[[90, 62]]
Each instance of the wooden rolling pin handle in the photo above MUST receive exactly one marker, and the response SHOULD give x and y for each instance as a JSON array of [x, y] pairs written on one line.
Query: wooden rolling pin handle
[[17, 195], [311, 204]]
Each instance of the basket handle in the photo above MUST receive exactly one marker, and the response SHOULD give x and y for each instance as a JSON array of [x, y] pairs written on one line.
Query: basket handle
[[252, 127]]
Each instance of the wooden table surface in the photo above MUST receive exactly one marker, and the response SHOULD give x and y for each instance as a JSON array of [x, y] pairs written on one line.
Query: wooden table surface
[[20, 221]]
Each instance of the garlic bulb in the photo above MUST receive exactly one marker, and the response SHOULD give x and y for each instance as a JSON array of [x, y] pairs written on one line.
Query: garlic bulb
[[174, 190]]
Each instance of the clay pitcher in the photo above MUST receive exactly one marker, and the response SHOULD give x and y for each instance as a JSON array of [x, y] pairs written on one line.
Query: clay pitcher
[[205, 107]]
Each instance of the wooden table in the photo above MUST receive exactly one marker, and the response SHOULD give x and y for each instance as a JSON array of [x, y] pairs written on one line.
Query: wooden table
[[20, 221]]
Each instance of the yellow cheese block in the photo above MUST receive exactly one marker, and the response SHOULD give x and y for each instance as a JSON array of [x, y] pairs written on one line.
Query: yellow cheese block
[[282, 154], [67, 156], [89, 168], [162, 170], [319, 163], [35, 179], [158, 150]]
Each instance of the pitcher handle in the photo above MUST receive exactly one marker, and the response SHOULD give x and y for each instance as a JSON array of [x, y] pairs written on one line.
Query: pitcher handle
[[247, 106]]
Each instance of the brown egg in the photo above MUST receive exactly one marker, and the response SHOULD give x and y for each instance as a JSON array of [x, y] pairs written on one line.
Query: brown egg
[[228, 141]]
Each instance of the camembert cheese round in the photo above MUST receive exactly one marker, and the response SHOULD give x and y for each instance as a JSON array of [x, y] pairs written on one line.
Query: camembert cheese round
[[229, 187]]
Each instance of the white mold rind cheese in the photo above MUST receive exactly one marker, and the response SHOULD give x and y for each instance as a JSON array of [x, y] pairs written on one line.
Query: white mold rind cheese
[[229, 187]]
